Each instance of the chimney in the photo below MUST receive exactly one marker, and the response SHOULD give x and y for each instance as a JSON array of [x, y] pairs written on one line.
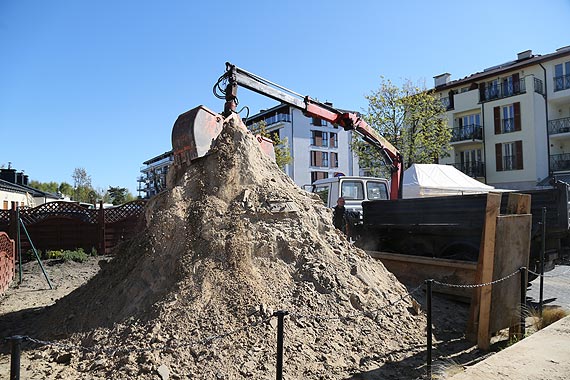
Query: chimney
[[524, 55], [21, 179], [8, 175], [442, 79]]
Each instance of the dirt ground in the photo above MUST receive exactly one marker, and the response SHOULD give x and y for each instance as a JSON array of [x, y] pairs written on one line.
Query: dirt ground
[[21, 304]]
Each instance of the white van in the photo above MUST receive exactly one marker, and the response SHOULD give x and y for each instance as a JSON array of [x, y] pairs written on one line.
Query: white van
[[354, 190]]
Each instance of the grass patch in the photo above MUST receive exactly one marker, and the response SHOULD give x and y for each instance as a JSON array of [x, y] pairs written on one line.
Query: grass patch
[[549, 316]]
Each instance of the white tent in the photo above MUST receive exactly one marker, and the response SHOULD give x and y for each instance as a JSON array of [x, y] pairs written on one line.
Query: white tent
[[431, 180]]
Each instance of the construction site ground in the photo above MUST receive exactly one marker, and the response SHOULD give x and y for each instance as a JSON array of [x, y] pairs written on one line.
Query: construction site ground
[[543, 355]]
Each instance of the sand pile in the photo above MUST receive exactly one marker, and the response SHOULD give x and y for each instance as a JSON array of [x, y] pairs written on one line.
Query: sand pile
[[230, 242]]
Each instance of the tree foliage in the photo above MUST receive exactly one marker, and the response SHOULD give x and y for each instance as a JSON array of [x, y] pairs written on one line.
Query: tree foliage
[[412, 119], [281, 146], [119, 195], [83, 191]]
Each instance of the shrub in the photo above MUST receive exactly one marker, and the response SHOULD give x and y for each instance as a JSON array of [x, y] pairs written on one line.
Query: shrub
[[78, 255]]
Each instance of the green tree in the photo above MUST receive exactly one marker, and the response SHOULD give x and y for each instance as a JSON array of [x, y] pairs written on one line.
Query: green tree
[[83, 191], [412, 119], [281, 146], [119, 195]]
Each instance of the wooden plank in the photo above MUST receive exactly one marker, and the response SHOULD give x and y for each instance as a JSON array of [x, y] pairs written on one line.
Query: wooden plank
[[414, 270], [518, 203], [487, 257], [511, 253]]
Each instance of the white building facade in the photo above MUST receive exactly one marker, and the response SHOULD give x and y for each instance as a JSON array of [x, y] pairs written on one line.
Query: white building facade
[[319, 149], [511, 122]]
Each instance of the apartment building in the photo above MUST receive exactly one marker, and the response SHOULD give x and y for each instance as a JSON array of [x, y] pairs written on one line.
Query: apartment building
[[318, 148], [511, 122], [153, 175]]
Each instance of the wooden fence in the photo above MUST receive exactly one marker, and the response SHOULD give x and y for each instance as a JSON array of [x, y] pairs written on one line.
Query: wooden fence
[[7, 261], [67, 225]]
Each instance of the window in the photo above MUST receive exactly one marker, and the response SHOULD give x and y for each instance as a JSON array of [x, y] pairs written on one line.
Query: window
[[319, 159], [323, 190], [376, 190], [319, 138], [562, 76], [352, 190], [318, 122], [509, 156], [507, 118], [5, 205], [333, 140], [493, 89], [319, 175], [334, 160]]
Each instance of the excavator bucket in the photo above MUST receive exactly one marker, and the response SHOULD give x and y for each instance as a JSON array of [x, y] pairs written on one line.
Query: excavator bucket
[[195, 131], [193, 134]]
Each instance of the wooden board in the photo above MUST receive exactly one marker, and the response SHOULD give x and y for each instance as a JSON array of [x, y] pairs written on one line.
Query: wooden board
[[414, 270], [511, 253]]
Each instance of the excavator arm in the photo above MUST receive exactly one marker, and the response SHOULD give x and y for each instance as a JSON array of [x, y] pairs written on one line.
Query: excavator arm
[[237, 77], [195, 130]]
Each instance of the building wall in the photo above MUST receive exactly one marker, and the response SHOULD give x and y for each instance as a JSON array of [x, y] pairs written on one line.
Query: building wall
[[536, 110], [7, 198]]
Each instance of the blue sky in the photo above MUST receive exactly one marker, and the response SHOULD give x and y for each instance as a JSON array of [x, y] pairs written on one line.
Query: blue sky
[[99, 84]]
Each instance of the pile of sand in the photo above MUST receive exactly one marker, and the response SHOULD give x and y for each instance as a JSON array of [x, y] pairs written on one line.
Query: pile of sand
[[230, 242]]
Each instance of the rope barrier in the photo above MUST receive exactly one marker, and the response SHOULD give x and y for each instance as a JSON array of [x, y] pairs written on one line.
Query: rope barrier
[[476, 285]]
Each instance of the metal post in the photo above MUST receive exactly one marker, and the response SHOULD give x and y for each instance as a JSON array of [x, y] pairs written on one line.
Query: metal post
[[542, 253], [39, 260], [523, 301], [429, 284], [15, 357], [279, 368]]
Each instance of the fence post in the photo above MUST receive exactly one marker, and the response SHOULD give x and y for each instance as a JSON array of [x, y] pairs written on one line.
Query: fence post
[[523, 273], [101, 225], [279, 367], [429, 284], [542, 253], [18, 245], [16, 343]]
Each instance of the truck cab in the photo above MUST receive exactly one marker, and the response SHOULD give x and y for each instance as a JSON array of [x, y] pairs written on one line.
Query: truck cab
[[353, 189]]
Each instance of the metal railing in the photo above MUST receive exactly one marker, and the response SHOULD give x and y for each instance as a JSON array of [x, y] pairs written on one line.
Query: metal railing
[[467, 132], [562, 82], [508, 125], [509, 162], [538, 86], [503, 90], [560, 162], [559, 126], [285, 117], [446, 102], [472, 169]]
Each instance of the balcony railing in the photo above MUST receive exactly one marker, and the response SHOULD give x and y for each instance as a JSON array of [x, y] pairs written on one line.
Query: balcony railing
[[502, 90], [509, 162], [559, 126], [561, 82], [472, 169], [446, 103], [285, 117], [560, 162], [538, 86], [508, 125], [467, 132]]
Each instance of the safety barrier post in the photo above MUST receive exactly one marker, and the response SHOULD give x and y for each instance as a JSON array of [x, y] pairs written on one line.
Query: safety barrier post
[[429, 284], [18, 245], [523, 273], [15, 356], [280, 314], [542, 253]]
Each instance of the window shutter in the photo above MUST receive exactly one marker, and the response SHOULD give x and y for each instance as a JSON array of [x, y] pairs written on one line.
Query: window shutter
[[499, 157], [516, 83], [517, 109], [482, 91], [519, 155], [497, 115]]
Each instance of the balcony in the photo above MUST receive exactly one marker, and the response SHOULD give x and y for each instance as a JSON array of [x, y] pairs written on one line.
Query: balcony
[[503, 90], [446, 103], [467, 133], [561, 82], [557, 126], [280, 117], [560, 162], [472, 169]]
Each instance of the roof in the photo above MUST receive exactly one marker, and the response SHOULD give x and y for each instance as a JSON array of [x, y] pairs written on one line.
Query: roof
[[507, 66], [23, 189]]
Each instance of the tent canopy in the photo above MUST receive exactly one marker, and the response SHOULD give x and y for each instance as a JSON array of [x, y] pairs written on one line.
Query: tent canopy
[[431, 180]]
